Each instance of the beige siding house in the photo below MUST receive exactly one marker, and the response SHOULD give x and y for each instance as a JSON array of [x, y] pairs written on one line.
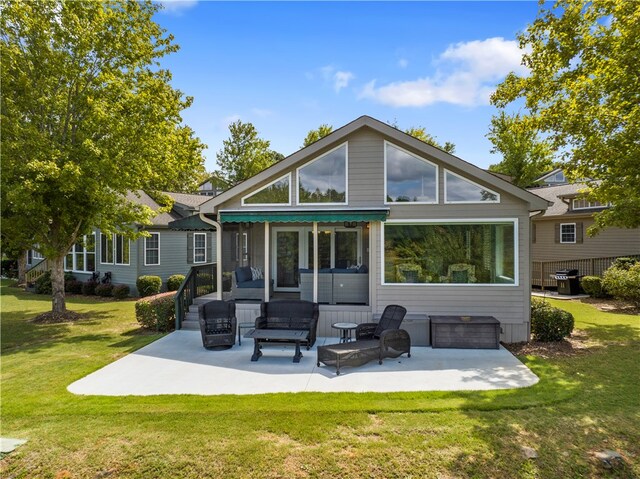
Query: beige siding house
[[370, 216]]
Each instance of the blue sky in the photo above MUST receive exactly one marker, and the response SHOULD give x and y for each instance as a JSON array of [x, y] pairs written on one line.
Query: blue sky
[[289, 67]]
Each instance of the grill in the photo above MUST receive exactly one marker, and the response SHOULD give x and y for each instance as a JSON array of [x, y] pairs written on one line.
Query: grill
[[568, 281]]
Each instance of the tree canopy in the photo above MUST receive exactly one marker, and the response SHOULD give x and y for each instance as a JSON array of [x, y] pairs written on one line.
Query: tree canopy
[[421, 134], [315, 135], [244, 154], [583, 91], [525, 156], [88, 117]]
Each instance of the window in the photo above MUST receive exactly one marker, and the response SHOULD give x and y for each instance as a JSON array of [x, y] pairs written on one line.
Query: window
[[152, 249], [275, 193], [460, 190], [450, 252], [324, 180], [568, 233], [82, 256], [199, 247], [408, 178], [582, 204], [121, 249], [337, 248], [106, 249], [241, 246]]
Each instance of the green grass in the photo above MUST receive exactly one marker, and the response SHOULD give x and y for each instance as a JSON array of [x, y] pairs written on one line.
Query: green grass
[[583, 404]]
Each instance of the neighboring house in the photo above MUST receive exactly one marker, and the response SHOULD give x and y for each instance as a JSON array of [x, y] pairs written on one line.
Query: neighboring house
[[163, 253], [553, 178], [424, 229], [560, 234]]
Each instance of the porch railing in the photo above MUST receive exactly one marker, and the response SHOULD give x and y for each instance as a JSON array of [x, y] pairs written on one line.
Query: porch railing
[[36, 271], [199, 281], [541, 271]]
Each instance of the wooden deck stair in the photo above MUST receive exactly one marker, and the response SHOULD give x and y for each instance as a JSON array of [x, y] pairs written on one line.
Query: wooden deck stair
[[36, 271]]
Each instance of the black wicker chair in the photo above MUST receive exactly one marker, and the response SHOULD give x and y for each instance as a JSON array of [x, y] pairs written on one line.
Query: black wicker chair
[[218, 324], [380, 340]]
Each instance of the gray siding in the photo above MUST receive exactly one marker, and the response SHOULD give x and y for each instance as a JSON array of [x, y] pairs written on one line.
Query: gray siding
[[610, 242]]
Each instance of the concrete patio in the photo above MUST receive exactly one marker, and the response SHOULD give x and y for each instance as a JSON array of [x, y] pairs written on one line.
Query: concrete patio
[[178, 364]]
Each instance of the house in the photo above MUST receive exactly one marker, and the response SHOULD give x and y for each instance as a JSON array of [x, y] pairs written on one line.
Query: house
[[163, 253], [369, 216], [559, 234]]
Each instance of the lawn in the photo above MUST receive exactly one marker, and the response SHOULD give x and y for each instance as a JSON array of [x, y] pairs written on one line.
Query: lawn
[[584, 403]]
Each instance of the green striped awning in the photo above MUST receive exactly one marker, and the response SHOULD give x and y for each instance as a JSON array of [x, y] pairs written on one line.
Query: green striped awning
[[191, 223], [302, 216]]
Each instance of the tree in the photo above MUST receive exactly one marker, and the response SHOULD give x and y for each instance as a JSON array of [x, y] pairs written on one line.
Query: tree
[[421, 134], [317, 134], [88, 116], [525, 157], [583, 90], [244, 154]]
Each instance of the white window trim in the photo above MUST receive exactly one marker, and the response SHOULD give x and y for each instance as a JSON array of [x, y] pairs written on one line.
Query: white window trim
[[589, 206], [84, 253], [112, 248], [145, 249], [346, 177], [288, 176], [575, 233], [115, 256], [516, 252], [403, 203], [36, 254], [195, 235], [447, 202]]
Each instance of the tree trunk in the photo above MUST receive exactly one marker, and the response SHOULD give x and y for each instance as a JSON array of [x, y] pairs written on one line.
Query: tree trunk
[[22, 267], [57, 285]]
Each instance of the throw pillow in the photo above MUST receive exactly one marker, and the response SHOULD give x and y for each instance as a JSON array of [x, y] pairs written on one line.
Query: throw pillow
[[256, 273]]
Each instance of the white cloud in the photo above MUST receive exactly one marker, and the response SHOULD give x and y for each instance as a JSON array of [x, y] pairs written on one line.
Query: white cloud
[[176, 7], [466, 74], [339, 79], [403, 63]]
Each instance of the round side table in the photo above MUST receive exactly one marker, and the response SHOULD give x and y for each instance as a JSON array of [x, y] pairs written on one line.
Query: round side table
[[345, 331]]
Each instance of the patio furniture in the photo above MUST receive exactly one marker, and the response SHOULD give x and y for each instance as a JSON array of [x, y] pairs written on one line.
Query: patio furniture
[[218, 324], [261, 336], [465, 332], [345, 330], [291, 314], [373, 341], [337, 285], [242, 326], [245, 287]]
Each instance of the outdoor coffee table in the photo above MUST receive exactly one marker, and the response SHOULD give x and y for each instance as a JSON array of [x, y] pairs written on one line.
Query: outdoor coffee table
[[263, 335], [242, 326], [345, 330]]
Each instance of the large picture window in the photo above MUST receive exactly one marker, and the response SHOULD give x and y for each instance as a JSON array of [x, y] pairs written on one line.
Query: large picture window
[[324, 180], [152, 249], [82, 256], [114, 249], [460, 190], [450, 252], [409, 179]]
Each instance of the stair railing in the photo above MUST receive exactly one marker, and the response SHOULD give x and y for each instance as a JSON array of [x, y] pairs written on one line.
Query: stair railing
[[200, 280]]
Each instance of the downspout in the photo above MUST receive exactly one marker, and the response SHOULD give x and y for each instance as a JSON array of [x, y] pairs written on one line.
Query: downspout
[[218, 227]]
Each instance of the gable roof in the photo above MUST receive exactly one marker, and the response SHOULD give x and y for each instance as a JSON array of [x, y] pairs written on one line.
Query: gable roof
[[535, 202], [555, 195], [190, 200]]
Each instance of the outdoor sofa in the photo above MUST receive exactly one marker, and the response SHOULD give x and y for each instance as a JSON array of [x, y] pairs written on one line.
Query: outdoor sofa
[[337, 285], [290, 314], [246, 287], [380, 340]]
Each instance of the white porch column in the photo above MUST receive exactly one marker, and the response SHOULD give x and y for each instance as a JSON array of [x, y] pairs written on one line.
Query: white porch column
[[218, 253], [267, 270], [315, 261]]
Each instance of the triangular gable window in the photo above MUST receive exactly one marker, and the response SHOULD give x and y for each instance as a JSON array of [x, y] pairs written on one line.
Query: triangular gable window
[[460, 190], [324, 180], [277, 192], [409, 178]]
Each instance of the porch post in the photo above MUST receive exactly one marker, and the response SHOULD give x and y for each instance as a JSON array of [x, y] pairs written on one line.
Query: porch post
[[218, 227], [267, 281], [315, 261]]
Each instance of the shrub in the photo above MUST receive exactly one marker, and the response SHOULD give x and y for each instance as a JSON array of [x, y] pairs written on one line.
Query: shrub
[[9, 268], [592, 285], [104, 290], [157, 312], [174, 282], [43, 284], [89, 287], [148, 285], [623, 283], [121, 291], [623, 263], [73, 286], [549, 323]]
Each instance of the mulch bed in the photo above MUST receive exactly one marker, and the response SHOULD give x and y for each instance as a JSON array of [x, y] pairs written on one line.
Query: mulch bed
[[66, 317], [577, 343]]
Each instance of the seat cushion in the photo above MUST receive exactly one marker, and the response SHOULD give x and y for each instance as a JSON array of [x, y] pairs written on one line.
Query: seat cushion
[[243, 274], [257, 283]]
